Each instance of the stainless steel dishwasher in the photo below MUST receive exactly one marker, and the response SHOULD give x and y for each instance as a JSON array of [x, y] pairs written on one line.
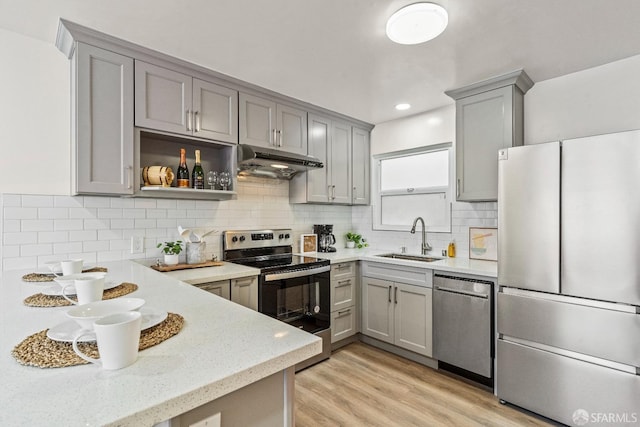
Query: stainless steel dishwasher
[[462, 323]]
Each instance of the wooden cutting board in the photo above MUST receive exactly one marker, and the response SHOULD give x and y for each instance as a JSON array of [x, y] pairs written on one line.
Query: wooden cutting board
[[165, 268]]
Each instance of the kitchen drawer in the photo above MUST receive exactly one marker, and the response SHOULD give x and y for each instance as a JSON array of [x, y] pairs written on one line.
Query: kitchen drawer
[[399, 273], [343, 292], [220, 288], [343, 269], [343, 323], [244, 291], [598, 332], [545, 383]]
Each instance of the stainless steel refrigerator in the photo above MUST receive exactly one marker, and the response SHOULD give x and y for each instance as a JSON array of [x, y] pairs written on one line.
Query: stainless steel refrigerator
[[568, 308]]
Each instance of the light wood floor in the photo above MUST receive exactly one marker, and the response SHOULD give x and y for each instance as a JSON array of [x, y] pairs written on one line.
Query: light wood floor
[[363, 386]]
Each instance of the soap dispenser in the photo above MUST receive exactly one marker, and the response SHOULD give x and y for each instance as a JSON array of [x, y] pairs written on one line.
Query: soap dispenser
[[451, 250]]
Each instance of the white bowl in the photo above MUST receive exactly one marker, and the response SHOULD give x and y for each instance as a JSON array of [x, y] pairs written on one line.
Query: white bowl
[[86, 314]]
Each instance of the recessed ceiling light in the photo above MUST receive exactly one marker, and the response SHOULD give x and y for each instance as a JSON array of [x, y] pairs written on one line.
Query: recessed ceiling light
[[417, 23], [403, 106]]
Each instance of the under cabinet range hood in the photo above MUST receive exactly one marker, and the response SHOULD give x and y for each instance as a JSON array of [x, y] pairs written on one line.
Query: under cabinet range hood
[[269, 163]]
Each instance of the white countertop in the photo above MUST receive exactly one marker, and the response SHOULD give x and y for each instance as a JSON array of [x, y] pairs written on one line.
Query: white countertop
[[452, 265], [221, 348]]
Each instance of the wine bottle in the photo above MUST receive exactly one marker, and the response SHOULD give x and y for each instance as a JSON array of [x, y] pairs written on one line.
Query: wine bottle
[[183, 172], [197, 176]]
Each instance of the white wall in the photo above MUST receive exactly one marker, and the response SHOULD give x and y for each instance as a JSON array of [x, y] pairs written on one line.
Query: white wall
[[428, 128], [35, 111], [41, 228], [598, 100]]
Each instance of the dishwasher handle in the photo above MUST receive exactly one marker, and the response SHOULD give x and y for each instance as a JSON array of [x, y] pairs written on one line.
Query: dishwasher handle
[[462, 292]]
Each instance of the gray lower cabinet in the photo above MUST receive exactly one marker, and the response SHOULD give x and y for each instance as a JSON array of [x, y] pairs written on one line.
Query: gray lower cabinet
[[398, 314], [489, 117], [103, 135], [174, 102], [244, 291], [266, 123], [331, 142], [221, 288], [344, 309]]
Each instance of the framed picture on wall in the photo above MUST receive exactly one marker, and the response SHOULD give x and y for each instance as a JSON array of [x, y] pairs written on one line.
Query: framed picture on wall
[[483, 243], [308, 243]]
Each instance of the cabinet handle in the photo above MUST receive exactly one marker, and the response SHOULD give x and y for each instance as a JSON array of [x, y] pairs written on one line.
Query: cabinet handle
[[329, 192], [274, 140], [129, 176], [458, 188], [395, 294], [333, 192], [340, 313], [279, 138], [245, 282], [340, 282], [189, 124], [197, 116], [389, 293]]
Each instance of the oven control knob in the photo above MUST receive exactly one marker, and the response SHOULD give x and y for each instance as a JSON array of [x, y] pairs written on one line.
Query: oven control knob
[[281, 236], [242, 238], [234, 239], [286, 236]]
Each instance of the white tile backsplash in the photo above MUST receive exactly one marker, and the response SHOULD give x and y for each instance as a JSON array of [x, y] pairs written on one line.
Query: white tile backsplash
[[37, 229], [463, 216]]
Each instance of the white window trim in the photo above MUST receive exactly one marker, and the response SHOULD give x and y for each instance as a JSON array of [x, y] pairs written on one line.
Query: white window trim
[[377, 194]]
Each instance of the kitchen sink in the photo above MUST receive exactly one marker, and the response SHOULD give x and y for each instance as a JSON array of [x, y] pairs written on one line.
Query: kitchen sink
[[423, 258]]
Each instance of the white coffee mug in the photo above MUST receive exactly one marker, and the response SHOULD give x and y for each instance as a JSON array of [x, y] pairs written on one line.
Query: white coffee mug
[[71, 266], [118, 337], [88, 289]]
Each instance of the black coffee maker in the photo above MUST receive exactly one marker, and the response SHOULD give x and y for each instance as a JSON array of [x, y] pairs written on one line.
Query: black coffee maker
[[326, 239]]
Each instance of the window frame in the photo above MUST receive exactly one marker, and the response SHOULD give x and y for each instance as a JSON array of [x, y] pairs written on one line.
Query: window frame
[[377, 195]]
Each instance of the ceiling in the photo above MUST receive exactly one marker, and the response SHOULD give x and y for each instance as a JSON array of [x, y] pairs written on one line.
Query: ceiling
[[334, 53]]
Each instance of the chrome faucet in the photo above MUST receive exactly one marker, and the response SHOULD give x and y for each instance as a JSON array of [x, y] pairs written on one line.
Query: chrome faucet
[[425, 246]]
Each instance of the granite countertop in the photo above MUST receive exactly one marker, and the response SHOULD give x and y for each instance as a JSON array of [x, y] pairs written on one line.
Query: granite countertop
[[221, 348], [195, 276]]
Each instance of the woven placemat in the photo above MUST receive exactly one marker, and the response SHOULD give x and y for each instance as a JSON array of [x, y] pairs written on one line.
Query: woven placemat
[[40, 277], [41, 300], [42, 352]]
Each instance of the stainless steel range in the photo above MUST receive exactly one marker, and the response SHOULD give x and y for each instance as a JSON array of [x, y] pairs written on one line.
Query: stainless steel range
[[292, 288]]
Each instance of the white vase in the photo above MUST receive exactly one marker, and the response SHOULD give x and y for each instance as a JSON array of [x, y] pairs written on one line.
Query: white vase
[[171, 259], [351, 245]]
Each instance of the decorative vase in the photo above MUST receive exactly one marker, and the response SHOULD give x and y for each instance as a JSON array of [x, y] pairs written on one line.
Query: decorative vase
[[195, 252], [351, 245], [171, 259]]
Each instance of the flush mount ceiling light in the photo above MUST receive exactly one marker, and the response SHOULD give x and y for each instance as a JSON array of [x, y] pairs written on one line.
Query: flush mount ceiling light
[[417, 23], [403, 106]]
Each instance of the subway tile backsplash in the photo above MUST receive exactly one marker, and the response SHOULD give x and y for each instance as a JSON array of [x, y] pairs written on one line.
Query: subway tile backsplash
[[36, 229]]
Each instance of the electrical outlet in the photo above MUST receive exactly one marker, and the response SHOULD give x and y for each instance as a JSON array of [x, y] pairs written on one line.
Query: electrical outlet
[[137, 244]]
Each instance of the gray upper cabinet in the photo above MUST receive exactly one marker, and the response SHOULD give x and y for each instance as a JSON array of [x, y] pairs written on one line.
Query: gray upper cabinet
[[103, 135], [174, 102], [329, 141], [340, 163], [360, 166], [344, 150], [489, 116], [266, 123]]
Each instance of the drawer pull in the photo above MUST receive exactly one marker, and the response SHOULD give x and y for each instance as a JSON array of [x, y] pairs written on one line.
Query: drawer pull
[[340, 313], [340, 282]]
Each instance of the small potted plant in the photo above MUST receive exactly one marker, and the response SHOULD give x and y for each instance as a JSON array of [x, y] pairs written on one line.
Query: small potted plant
[[355, 241], [171, 251]]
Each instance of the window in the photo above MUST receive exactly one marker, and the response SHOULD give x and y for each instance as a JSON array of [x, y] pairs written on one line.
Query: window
[[413, 183]]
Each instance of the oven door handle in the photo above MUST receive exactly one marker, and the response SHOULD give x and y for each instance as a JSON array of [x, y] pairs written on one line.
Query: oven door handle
[[293, 274]]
